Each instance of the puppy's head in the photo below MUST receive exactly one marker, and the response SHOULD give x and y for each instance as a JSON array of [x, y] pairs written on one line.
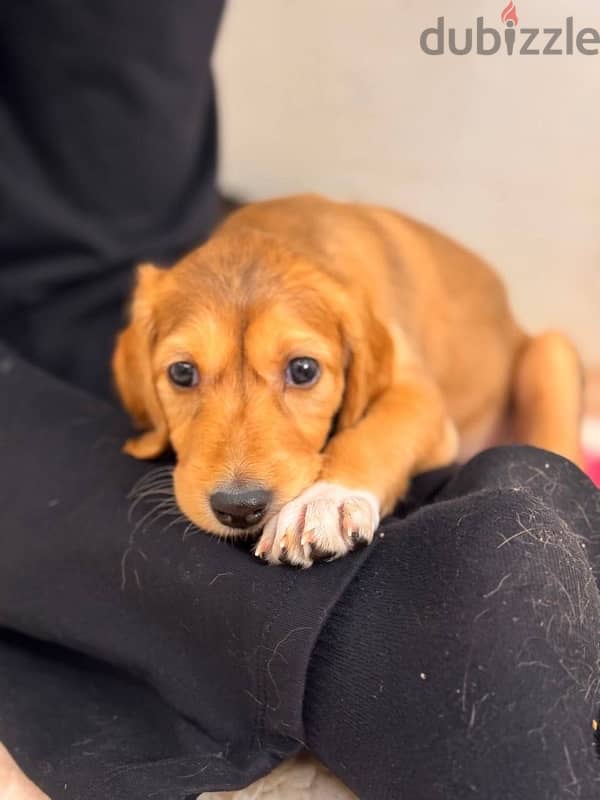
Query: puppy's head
[[245, 358]]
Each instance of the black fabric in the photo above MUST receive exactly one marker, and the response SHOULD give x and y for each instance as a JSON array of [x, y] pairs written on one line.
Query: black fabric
[[107, 158], [464, 660], [456, 657]]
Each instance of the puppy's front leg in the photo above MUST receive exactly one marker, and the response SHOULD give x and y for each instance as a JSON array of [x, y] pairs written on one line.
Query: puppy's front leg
[[367, 468], [406, 430]]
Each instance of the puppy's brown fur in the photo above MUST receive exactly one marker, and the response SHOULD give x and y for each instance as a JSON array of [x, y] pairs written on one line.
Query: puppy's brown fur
[[420, 358]]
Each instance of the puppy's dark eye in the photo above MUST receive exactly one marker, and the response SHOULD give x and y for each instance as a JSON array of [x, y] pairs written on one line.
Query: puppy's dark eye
[[302, 371], [184, 374]]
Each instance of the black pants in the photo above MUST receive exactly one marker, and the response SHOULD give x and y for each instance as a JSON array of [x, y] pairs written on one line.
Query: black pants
[[107, 158], [457, 657]]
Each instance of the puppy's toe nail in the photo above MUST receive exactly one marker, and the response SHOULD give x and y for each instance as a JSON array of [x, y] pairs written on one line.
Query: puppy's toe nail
[[307, 552], [359, 539], [308, 538], [361, 542], [320, 554]]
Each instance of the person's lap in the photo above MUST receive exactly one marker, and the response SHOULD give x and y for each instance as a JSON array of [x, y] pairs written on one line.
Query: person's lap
[[461, 648]]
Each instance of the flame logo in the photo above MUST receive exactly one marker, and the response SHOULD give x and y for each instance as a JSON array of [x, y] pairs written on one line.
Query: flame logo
[[509, 15]]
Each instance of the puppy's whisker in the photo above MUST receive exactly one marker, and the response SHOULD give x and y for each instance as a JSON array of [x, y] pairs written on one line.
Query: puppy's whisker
[[190, 530], [158, 492], [149, 493], [169, 512], [146, 499], [167, 505], [158, 485], [162, 470], [152, 487], [156, 482], [179, 519], [149, 479], [155, 476], [150, 521]]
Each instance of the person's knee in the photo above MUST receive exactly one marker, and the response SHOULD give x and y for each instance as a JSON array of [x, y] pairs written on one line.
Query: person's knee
[[519, 466]]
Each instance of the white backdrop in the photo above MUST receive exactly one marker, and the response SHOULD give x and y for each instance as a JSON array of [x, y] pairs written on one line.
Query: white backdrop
[[336, 96]]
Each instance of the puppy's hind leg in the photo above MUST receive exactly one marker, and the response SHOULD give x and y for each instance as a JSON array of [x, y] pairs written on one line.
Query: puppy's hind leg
[[548, 395]]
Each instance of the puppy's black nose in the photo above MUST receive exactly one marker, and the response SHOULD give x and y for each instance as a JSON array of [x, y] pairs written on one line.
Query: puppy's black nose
[[240, 507]]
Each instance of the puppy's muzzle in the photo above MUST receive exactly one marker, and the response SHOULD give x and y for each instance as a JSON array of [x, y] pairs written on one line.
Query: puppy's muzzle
[[240, 507]]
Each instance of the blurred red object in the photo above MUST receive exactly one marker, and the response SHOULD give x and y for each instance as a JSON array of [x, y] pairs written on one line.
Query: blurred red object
[[592, 467]]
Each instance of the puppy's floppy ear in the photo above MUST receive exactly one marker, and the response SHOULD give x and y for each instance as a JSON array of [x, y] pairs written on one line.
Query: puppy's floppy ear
[[369, 369], [132, 368]]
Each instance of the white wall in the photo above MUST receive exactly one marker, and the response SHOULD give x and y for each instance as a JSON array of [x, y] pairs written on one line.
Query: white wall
[[336, 96]]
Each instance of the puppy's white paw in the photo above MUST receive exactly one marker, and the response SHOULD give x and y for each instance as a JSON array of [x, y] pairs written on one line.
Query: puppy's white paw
[[325, 521]]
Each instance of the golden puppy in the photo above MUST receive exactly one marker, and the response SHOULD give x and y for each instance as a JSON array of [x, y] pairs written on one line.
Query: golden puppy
[[313, 356]]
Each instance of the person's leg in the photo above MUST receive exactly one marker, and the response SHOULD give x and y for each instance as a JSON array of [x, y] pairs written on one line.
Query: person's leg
[[108, 141], [154, 660], [464, 653], [14, 785], [464, 660]]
